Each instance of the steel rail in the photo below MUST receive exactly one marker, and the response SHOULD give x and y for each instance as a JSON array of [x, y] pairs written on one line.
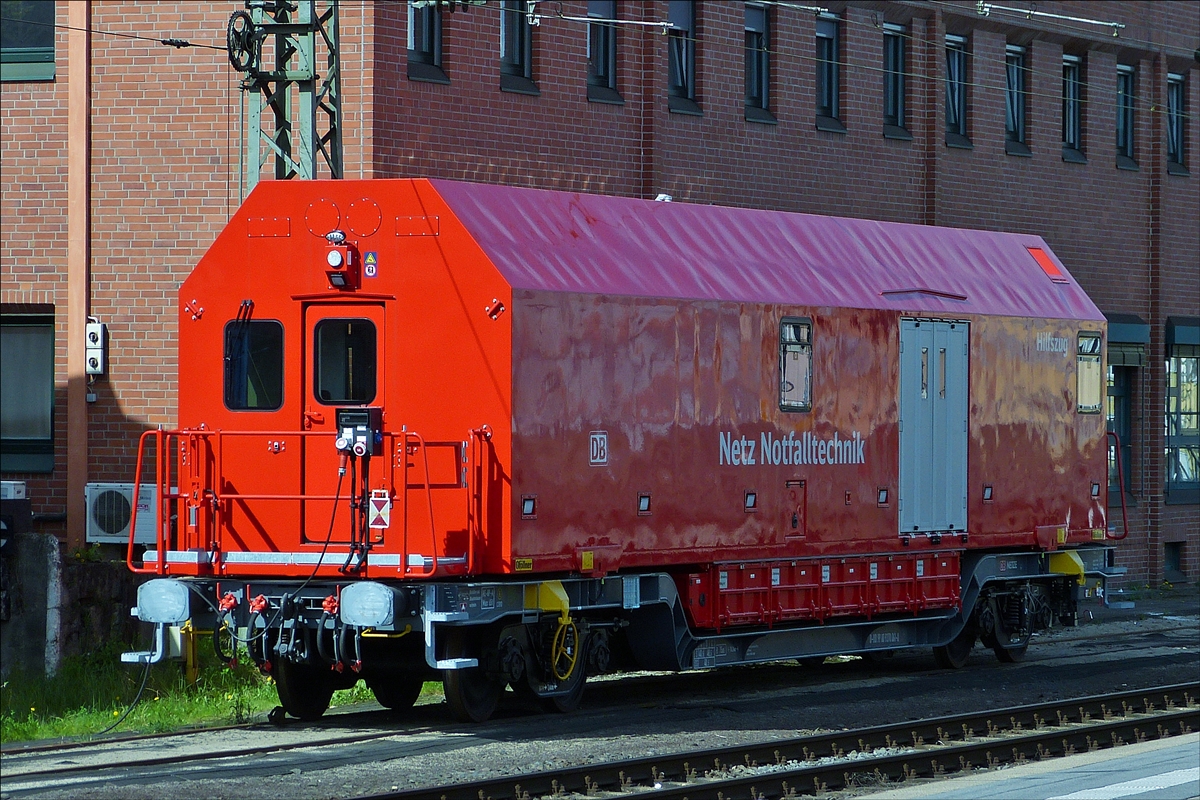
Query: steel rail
[[29, 749], [978, 745]]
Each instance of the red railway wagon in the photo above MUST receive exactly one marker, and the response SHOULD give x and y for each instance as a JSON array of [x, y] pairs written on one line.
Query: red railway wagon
[[516, 437]]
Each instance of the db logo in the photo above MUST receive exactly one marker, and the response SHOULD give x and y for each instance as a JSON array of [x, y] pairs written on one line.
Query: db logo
[[598, 451]]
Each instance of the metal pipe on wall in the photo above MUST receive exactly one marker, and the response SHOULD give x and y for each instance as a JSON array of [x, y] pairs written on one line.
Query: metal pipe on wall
[[79, 47]]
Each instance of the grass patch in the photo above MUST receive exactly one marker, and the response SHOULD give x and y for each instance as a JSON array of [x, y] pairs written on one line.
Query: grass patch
[[90, 692]]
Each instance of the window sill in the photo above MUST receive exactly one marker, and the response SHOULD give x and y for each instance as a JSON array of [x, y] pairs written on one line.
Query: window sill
[[830, 124], [1114, 499], [1175, 168], [1182, 497], [756, 114], [896, 132], [684, 105], [604, 94], [1125, 162], [1073, 156], [1017, 149], [519, 84], [25, 462], [957, 140], [426, 73], [26, 71]]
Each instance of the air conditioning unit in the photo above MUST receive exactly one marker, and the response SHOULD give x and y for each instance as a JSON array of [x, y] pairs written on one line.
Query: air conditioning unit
[[12, 490], [110, 509]]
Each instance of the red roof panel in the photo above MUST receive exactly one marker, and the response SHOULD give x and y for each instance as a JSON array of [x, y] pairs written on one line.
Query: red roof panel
[[593, 244]]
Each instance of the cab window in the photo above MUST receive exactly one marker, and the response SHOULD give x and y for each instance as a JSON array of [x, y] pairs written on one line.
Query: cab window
[[253, 365], [795, 364], [344, 361], [1089, 380]]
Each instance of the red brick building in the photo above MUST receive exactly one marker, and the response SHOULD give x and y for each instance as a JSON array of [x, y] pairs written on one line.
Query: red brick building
[[920, 112]]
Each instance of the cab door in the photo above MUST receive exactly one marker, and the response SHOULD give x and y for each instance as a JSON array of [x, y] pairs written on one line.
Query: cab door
[[344, 363]]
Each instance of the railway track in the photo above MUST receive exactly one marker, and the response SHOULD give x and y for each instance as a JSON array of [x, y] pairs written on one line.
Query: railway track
[[369, 750], [835, 761], [653, 683]]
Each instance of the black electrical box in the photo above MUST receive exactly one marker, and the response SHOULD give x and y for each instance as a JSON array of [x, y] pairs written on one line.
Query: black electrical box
[[362, 426]]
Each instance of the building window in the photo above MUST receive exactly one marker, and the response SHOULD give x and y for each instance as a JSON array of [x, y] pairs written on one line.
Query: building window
[[425, 44], [1120, 421], [1014, 101], [516, 49], [829, 80], [681, 57], [253, 365], [1072, 109], [1183, 433], [758, 64], [26, 388], [1176, 114], [895, 65], [1087, 375], [1125, 109], [27, 40], [795, 364], [956, 91], [602, 52]]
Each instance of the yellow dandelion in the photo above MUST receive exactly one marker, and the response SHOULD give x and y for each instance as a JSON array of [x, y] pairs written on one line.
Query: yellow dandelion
[[32, 709], [116, 713]]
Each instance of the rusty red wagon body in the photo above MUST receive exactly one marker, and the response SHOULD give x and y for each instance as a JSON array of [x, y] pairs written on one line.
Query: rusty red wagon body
[[546, 434]]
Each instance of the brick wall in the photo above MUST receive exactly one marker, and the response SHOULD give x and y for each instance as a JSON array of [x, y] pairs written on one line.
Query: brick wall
[[167, 139]]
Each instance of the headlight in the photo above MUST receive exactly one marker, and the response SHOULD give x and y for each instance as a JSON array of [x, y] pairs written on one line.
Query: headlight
[[163, 600], [368, 605], [334, 258]]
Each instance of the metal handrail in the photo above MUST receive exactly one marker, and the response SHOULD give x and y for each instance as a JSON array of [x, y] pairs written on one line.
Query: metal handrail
[[214, 440]]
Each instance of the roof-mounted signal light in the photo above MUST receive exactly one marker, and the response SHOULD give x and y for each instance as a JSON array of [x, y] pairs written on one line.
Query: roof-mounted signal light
[[1048, 266], [342, 262]]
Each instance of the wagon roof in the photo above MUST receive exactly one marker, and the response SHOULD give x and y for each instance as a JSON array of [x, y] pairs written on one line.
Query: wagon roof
[[593, 244]]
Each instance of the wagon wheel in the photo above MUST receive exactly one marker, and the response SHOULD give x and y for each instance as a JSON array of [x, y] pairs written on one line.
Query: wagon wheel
[[566, 703], [396, 691], [955, 654], [304, 690], [472, 694], [1010, 655]]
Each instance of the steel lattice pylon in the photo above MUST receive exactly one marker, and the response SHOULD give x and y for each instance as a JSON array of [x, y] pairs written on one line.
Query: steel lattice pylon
[[290, 110]]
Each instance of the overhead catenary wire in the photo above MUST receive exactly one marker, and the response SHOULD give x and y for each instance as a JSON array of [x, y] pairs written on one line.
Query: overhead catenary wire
[[169, 41]]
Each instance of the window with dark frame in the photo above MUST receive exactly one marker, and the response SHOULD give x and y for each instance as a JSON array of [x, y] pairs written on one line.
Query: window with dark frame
[[26, 388], [516, 49], [795, 364], [27, 40], [1176, 115], [681, 57], [344, 361], [956, 91], [253, 365], [829, 80], [1089, 381], [1119, 412], [1125, 117], [1015, 142], [425, 44], [1072, 109], [758, 63], [602, 52], [1183, 423], [895, 67]]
